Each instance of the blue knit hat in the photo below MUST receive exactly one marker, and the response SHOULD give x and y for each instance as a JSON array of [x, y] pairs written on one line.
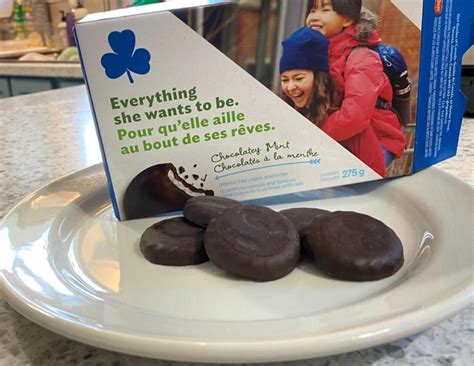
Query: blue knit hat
[[305, 49]]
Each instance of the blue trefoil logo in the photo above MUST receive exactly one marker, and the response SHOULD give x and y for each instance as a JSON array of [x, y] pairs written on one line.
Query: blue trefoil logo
[[125, 58]]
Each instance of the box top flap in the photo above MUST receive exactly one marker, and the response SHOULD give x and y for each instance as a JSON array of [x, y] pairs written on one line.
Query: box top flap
[[152, 8]]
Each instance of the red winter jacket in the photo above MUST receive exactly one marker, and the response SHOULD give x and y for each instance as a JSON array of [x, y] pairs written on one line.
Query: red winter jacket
[[358, 125]]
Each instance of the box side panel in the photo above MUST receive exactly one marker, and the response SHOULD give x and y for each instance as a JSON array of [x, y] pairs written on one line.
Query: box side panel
[[445, 38], [101, 145]]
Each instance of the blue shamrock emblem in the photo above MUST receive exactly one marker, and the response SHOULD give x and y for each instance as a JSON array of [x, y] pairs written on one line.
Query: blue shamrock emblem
[[125, 59]]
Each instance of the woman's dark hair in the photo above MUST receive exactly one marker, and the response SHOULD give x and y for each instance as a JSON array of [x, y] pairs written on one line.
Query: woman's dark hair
[[350, 8], [325, 98]]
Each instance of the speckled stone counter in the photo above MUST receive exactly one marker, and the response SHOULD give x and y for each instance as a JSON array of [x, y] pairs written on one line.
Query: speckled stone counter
[[41, 69], [46, 135]]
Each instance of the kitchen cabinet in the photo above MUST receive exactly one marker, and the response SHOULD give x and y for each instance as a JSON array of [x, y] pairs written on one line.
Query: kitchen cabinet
[[4, 88], [64, 83], [17, 85], [21, 86]]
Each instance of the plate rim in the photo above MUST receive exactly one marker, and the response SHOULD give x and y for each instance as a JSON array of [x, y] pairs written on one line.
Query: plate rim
[[251, 350], [268, 350]]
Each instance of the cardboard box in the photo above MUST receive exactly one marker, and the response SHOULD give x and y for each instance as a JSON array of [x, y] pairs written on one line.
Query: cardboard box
[[190, 100]]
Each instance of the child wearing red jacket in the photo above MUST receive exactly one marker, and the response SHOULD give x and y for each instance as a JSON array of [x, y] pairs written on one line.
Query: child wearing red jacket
[[358, 72]]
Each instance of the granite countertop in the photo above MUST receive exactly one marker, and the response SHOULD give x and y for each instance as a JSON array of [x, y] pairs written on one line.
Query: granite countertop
[[51, 69], [46, 135]]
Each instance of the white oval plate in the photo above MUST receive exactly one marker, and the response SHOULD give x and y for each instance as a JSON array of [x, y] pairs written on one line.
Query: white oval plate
[[68, 265]]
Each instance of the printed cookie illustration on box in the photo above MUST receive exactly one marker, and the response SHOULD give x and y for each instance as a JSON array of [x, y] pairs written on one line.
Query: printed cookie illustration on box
[[186, 106]]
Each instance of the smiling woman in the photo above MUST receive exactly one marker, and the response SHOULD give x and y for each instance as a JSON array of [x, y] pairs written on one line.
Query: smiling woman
[[298, 85], [305, 81]]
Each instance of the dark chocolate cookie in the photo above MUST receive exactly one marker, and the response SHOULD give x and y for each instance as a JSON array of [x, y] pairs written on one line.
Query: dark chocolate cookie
[[254, 242], [354, 247], [302, 217], [174, 242], [156, 190], [201, 210]]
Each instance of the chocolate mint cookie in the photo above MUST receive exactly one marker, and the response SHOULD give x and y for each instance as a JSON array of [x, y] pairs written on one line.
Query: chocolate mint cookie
[[302, 217], [174, 242], [354, 247], [201, 210], [156, 190], [253, 242]]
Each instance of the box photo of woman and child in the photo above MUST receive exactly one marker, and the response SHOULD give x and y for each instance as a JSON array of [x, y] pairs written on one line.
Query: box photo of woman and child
[[332, 72], [349, 66]]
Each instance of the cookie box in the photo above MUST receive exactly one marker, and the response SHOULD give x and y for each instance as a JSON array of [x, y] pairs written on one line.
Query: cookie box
[[252, 99]]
